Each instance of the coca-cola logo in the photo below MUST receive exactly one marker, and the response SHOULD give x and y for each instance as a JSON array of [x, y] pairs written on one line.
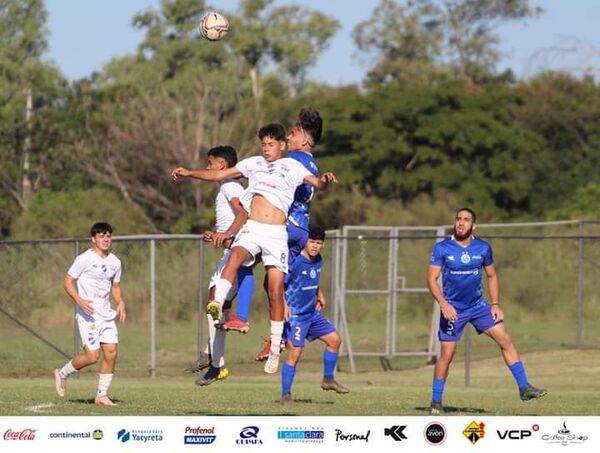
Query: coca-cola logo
[[25, 434]]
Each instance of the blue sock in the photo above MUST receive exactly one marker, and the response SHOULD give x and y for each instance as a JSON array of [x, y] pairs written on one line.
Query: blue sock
[[245, 279], [287, 378], [329, 362], [437, 391], [518, 371]]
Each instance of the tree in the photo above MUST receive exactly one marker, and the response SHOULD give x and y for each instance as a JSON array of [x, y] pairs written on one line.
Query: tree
[[27, 87], [408, 37]]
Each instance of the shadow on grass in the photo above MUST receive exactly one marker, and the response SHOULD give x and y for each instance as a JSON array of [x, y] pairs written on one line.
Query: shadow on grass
[[456, 410], [89, 400], [277, 402]]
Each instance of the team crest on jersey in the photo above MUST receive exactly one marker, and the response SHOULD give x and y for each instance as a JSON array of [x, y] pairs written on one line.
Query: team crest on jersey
[[465, 258], [313, 273]]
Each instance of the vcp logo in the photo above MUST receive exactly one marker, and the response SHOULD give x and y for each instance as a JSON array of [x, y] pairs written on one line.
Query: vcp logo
[[249, 436], [517, 434]]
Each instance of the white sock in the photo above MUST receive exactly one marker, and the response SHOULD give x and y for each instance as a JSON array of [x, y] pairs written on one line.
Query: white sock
[[211, 333], [104, 381], [218, 355], [276, 332], [67, 370], [221, 290]]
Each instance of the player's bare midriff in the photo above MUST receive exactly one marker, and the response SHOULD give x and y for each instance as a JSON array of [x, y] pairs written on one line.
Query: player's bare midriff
[[264, 212]]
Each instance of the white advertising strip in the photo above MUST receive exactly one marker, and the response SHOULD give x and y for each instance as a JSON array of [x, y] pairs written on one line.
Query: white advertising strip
[[297, 434]]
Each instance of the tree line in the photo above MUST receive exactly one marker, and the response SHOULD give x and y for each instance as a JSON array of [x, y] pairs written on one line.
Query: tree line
[[434, 124]]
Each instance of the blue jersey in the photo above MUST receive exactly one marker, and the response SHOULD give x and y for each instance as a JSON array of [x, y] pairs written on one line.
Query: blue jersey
[[298, 213], [461, 270], [301, 284]]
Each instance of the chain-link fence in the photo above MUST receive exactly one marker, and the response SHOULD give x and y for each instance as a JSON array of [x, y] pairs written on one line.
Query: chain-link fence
[[375, 279], [547, 272]]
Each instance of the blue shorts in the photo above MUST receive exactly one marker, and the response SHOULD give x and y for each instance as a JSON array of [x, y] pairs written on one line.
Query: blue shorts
[[479, 315], [297, 238], [317, 326]]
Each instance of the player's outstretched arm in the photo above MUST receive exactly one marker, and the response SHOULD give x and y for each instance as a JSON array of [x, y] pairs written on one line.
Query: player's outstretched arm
[[205, 174], [321, 182]]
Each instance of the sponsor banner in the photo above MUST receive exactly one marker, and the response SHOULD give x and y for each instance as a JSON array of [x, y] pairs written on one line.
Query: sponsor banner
[[296, 434]]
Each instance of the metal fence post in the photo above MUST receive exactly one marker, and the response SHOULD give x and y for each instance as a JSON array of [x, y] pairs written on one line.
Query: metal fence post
[[201, 312], [152, 308], [75, 326], [579, 334], [468, 357]]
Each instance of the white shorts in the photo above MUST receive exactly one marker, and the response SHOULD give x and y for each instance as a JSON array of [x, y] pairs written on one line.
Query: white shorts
[[217, 275], [94, 332], [270, 240]]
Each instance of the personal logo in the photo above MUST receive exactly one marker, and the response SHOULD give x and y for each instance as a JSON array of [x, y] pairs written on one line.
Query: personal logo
[[307, 435], [199, 435], [435, 433], [351, 437], [474, 432], [24, 434], [517, 434], [313, 273], [97, 434], [140, 435], [564, 436], [465, 258], [249, 436], [396, 432]]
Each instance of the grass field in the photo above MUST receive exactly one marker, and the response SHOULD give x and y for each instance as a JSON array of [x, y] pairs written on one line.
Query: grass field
[[570, 376]]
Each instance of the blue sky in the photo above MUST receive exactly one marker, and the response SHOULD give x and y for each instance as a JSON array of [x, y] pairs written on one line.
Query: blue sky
[[85, 34]]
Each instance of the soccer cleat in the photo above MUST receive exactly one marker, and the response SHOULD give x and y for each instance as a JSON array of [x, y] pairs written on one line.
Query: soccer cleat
[[264, 352], [436, 408], [202, 362], [59, 383], [272, 363], [213, 308], [104, 401], [234, 323], [209, 377], [332, 384], [530, 393], [286, 399], [223, 374]]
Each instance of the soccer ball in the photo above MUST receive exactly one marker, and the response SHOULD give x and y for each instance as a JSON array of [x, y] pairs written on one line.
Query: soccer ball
[[213, 26]]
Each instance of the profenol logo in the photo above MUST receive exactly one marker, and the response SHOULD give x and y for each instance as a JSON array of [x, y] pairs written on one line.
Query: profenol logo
[[199, 435]]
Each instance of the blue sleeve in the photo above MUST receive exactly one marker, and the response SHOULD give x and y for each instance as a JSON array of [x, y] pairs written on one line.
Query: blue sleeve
[[488, 259], [437, 257]]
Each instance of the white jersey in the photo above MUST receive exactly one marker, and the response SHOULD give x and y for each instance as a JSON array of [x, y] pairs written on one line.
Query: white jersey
[[276, 181], [229, 189], [95, 276]]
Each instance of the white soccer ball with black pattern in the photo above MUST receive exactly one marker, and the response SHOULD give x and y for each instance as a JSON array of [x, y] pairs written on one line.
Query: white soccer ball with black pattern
[[213, 26]]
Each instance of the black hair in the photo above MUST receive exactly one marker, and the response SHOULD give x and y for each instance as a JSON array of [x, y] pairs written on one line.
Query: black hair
[[274, 130], [100, 227], [310, 120], [224, 152], [470, 211], [316, 233]]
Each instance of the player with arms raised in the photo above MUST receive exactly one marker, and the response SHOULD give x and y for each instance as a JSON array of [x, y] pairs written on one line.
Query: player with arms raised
[[272, 181]]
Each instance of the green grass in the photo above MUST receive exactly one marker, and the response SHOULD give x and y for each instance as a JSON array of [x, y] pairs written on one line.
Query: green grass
[[570, 377]]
